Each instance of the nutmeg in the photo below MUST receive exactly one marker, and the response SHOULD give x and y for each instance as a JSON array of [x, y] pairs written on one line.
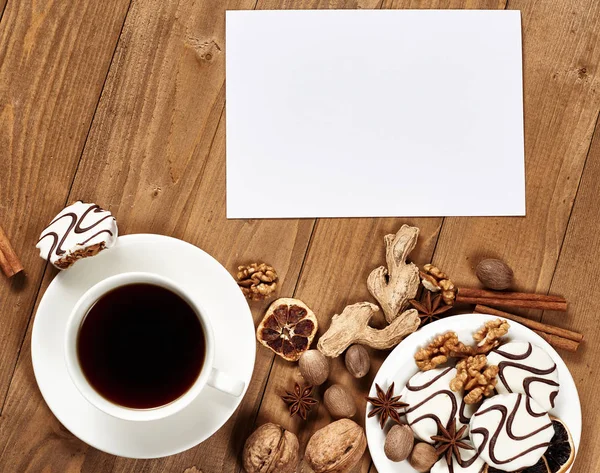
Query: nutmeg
[[494, 274], [422, 457], [271, 449], [399, 442], [336, 448], [314, 367], [358, 361], [339, 402]]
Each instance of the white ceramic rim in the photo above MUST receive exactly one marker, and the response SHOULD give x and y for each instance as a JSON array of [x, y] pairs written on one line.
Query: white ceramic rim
[[76, 319], [189, 266], [398, 361]]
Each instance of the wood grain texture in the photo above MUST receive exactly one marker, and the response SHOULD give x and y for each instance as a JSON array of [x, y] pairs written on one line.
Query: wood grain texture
[[345, 250], [579, 256], [155, 156], [561, 52], [446, 4], [147, 160], [341, 256], [53, 61]]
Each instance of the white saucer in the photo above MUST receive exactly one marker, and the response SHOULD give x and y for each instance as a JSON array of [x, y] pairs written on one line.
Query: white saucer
[[203, 277], [399, 366]]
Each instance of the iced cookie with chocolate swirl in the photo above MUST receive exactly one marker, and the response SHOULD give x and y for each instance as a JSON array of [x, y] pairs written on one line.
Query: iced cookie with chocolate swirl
[[528, 369], [511, 432], [431, 401], [78, 231]]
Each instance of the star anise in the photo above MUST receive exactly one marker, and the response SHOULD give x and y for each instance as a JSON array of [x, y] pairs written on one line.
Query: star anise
[[299, 401], [429, 309], [450, 441], [386, 405]]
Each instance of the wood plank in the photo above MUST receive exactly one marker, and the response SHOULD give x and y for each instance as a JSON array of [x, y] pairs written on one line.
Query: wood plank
[[446, 4], [561, 50], [576, 267], [53, 62], [341, 255], [147, 160]]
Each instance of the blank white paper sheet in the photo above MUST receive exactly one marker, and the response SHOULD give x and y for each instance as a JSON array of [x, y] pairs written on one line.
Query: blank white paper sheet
[[366, 113]]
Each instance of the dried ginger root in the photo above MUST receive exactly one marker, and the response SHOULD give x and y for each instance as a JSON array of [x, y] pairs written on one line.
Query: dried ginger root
[[440, 349], [475, 377], [488, 336], [352, 326], [395, 285]]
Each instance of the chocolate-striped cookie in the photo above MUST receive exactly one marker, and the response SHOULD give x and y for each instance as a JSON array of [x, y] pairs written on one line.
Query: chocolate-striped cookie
[[78, 231], [528, 369], [511, 431], [430, 401]]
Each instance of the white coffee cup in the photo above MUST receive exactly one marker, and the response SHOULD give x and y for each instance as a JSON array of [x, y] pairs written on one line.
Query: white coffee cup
[[208, 375]]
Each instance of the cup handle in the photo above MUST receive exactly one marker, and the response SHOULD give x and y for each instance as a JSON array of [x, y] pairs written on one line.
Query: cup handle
[[225, 383]]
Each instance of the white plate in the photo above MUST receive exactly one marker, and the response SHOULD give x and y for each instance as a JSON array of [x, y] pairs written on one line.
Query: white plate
[[399, 366], [205, 279]]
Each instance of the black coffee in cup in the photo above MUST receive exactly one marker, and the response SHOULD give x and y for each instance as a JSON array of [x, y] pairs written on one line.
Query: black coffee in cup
[[141, 346]]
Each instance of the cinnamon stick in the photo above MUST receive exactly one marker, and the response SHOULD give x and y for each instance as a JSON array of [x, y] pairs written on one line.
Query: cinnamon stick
[[520, 296], [517, 303], [532, 324], [9, 261], [559, 342]]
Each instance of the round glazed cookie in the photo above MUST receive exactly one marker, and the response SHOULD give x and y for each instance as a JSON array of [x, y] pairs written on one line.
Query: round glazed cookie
[[528, 369], [470, 462], [510, 432], [78, 231], [430, 401]]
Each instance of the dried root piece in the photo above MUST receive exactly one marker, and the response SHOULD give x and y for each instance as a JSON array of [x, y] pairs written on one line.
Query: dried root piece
[[440, 349], [434, 280], [395, 286], [475, 377], [352, 326], [257, 281], [488, 336]]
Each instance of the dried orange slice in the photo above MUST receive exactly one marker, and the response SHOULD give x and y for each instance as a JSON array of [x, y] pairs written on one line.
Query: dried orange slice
[[288, 328]]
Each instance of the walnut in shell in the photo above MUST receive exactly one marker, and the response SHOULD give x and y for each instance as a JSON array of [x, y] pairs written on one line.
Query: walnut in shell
[[271, 449], [352, 326], [288, 328], [395, 285], [336, 448]]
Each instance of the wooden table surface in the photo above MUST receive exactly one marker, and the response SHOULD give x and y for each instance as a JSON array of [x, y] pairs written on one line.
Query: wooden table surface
[[121, 102]]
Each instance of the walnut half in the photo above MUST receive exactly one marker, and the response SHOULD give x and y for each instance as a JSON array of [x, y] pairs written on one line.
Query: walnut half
[[257, 281], [435, 280], [488, 336], [475, 377], [440, 349]]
